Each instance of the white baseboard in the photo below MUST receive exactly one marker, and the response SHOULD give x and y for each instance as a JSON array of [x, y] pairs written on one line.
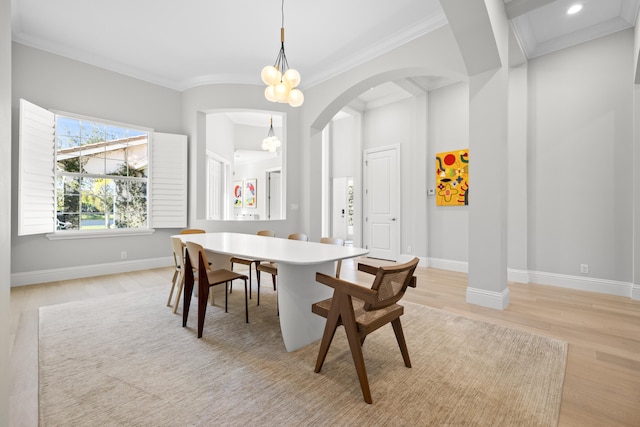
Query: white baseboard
[[490, 299], [581, 283], [519, 276], [78, 272], [611, 287]]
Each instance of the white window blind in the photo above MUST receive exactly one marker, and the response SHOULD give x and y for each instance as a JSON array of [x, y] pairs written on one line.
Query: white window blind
[[168, 181], [36, 177]]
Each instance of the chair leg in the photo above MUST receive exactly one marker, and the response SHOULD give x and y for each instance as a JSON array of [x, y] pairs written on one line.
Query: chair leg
[[274, 288], [226, 296], [397, 328], [351, 328], [246, 301], [188, 291], [333, 321], [231, 284], [173, 285], [250, 281], [203, 296], [180, 286]]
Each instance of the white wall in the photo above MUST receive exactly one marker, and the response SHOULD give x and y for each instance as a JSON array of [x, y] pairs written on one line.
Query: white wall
[[434, 54], [343, 140], [448, 130], [62, 84], [580, 159], [398, 124], [5, 203], [196, 104], [220, 136]]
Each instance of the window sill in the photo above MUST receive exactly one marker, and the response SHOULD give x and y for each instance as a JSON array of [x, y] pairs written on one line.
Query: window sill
[[79, 234]]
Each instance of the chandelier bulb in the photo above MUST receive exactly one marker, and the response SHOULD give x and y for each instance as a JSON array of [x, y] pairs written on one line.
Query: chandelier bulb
[[270, 93], [296, 98], [281, 91], [292, 78]]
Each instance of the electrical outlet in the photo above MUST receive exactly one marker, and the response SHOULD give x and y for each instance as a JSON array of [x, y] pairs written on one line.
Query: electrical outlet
[[123, 255], [584, 268], [408, 249]]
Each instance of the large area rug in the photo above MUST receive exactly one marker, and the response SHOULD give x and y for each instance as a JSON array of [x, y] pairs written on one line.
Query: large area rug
[[125, 360]]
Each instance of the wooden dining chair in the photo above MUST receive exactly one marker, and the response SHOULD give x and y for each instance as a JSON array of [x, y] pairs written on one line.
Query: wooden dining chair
[[250, 262], [334, 241], [362, 310], [272, 267], [178, 262], [206, 278], [192, 231]]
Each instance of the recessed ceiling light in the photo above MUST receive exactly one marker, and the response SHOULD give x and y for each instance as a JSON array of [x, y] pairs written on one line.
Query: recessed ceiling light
[[574, 9]]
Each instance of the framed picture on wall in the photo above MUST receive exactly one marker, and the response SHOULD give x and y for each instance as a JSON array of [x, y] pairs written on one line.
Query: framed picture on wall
[[237, 194], [452, 178], [250, 192]]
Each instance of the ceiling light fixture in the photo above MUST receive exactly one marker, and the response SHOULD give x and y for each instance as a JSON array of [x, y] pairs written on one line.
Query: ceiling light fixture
[[281, 80], [574, 9], [271, 142]]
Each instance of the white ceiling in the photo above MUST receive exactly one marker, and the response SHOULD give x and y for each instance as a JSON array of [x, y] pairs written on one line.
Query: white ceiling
[[185, 44]]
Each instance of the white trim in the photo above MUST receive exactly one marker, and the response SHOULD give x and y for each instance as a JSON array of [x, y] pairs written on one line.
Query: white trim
[[519, 276], [87, 234], [603, 286], [79, 272], [490, 299]]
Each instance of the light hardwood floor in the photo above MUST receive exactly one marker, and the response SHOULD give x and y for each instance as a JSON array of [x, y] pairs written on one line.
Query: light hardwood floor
[[602, 381]]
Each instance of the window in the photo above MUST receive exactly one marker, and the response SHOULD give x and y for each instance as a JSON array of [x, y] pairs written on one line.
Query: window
[[101, 175], [78, 175]]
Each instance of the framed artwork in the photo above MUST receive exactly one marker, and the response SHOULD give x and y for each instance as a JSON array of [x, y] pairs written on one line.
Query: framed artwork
[[237, 194], [250, 192], [452, 178]]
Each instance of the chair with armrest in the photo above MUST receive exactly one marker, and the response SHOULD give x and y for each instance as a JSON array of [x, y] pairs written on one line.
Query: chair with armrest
[[250, 262], [206, 277], [362, 310], [272, 267], [334, 241]]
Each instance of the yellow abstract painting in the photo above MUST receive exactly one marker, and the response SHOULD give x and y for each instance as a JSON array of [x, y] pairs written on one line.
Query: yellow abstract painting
[[452, 178]]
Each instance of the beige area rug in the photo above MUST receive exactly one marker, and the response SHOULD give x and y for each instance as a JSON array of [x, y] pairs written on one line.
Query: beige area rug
[[125, 360]]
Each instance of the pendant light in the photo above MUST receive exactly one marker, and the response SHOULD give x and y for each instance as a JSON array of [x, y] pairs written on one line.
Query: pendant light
[[271, 142], [282, 81]]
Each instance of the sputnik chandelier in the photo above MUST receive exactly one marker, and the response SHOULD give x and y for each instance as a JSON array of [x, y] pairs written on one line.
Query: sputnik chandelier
[[281, 80], [271, 142]]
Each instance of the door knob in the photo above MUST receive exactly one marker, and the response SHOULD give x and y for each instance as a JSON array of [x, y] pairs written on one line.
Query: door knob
[[393, 219]]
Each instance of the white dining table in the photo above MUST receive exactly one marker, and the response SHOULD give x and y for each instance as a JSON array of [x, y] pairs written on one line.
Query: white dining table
[[298, 262]]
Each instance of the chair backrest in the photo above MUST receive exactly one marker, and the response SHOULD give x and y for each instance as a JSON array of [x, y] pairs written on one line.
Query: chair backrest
[[332, 241], [391, 283], [267, 233], [196, 251], [178, 253], [192, 231], [298, 236]]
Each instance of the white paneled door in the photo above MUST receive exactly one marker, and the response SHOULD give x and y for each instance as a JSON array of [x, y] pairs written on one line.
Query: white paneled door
[[382, 202]]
